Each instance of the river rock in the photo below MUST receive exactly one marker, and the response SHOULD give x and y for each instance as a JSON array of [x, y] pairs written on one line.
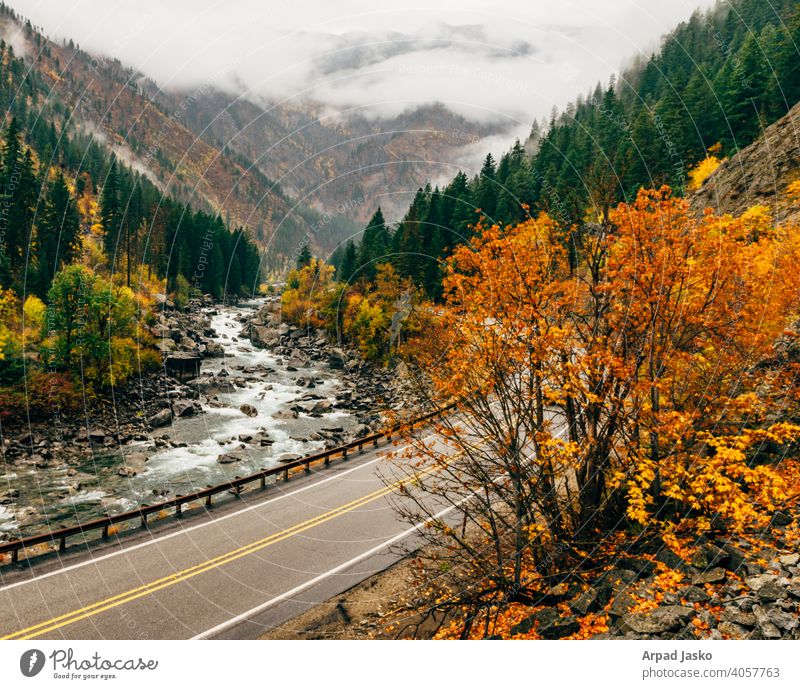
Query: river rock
[[360, 431], [285, 414], [262, 336], [9, 496], [183, 408], [337, 358], [320, 408], [229, 458], [159, 419], [249, 410], [214, 350]]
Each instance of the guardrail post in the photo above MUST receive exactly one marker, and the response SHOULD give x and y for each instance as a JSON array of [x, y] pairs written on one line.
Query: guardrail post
[[179, 509], [361, 447], [307, 467], [105, 532], [344, 455], [62, 544], [285, 474], [375, 442], [208, 500], [263, 481], [327, 460], [144, 520]]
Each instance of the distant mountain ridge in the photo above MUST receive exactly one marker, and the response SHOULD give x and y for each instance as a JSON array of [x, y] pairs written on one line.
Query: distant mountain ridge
[[337, 163], [287, 173]]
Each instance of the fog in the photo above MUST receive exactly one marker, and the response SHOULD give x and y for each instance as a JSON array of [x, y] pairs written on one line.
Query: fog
[[502, 61]]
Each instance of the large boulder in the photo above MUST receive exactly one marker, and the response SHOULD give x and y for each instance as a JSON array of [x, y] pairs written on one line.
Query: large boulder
[[210, 385], [659, 620], [263, 336], [161, 418], [285, 414], [337, 358], [320, 408], [214, 350], [183, 408]]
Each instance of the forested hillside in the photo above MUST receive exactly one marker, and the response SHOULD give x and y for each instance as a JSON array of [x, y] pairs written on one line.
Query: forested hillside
[[87, 244], [336, 164], [716, 83], [95, 98]]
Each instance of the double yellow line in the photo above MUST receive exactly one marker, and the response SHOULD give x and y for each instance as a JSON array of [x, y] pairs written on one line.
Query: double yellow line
[[146, 589]]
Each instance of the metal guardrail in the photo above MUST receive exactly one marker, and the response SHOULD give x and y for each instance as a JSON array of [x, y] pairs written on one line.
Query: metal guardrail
[[235, 485]]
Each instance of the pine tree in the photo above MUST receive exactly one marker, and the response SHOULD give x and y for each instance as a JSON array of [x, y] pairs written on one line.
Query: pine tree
[[374, 248], [111, 212], [304, 257], [57, 233], [487, 189], [745, 91], [348, 267], [18, 184], [462, 215]]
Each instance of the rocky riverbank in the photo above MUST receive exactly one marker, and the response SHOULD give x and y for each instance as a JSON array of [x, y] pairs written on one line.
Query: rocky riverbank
[[377, 395], [250, 407], [129, 412], [51, 464]]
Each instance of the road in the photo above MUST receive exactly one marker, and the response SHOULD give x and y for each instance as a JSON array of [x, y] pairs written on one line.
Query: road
[[249, 566]]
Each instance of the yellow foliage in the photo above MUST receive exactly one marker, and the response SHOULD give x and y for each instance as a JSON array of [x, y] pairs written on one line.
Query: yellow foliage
[[34, 311], [308, 294], [702, 171], [9, 311], [757, 222], [793, 191]]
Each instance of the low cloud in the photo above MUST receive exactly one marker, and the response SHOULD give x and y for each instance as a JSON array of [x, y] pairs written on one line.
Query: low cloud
[[505, 63]]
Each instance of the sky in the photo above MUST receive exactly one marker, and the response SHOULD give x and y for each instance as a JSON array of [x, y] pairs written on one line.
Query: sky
[[507, 62]]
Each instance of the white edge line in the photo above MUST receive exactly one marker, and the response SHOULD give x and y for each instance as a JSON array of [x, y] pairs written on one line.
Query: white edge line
[[321, 577], [181, 532]]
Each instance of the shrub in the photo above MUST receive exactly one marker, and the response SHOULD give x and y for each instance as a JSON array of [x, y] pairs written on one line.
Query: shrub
[[45, 395]]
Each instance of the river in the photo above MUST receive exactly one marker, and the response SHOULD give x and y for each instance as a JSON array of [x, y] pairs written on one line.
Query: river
[[182, 457]]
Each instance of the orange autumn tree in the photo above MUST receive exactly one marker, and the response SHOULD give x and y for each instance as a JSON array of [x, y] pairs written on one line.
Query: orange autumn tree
[[629, 385]]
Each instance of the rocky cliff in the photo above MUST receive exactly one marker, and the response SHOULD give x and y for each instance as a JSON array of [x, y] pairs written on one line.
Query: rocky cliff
[[758, 174]]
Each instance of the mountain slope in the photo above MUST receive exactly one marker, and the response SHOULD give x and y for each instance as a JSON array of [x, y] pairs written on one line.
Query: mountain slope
[[758, 174], [113, 105], [342, 165]]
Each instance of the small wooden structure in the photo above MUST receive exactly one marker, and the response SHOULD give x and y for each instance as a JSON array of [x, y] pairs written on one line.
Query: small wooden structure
[[183, 365]]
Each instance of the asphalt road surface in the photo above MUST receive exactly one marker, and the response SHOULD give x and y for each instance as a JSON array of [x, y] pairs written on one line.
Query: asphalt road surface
[[248, 566]]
